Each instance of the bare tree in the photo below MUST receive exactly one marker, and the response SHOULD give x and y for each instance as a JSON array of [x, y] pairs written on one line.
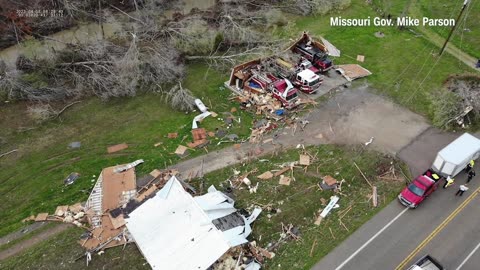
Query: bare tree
[[180, 98]]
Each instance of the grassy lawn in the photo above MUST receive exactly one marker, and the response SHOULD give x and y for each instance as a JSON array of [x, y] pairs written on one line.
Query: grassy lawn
[[61, 251], [298, 203], [33, 182], [467, 35], [27, 235]]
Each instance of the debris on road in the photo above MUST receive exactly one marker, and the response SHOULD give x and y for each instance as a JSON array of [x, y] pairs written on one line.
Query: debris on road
[[370, 141]]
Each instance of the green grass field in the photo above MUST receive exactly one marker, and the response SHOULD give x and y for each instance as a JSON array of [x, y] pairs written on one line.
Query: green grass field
[[467, 34], [298, 203], [33, 182]]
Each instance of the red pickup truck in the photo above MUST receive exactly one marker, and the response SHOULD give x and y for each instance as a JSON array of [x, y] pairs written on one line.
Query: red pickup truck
[[417, 191]]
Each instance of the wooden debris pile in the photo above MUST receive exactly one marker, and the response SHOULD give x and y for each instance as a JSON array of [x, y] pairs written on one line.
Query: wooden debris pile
[[116, 193]]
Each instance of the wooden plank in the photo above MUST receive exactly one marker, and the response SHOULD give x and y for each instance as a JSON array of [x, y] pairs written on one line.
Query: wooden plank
[[374, 196], [364, 177], [281, 171], [304, 160], [117, 222], [266, 175], [329, 180], [155, 173], [181, 150], [41, 217], [116, 148], [61, 210]]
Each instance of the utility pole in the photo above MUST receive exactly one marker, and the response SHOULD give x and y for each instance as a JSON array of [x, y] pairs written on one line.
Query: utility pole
[[454, 26]]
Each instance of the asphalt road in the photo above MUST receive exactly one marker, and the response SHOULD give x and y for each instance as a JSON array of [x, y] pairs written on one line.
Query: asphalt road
[[445, 226]]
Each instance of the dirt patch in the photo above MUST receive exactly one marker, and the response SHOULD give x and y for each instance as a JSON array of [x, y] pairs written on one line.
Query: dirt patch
[[32, 241], [468, 88]]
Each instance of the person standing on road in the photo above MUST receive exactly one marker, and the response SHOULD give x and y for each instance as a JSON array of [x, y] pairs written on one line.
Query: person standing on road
[[448, 182], [471, 174], [461, 190], [469, 166]]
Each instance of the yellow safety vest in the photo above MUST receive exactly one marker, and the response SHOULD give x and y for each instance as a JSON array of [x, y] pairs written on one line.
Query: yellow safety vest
[[435, 176], [472, 162]]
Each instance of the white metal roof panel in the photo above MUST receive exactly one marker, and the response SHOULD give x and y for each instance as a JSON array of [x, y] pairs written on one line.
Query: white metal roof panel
[[173, 232]]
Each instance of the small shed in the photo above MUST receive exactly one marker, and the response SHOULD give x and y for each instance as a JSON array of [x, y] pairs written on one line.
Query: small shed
[[452, 159]]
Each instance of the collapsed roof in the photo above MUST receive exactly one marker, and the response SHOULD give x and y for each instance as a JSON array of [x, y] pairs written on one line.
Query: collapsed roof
[[174, 230]]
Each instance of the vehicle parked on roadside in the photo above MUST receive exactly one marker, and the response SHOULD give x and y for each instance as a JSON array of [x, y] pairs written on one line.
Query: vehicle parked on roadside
[[419, 189]]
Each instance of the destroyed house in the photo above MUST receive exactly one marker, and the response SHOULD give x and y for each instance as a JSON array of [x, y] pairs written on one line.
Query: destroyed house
[[174, 230], [241, 74], [256, 75], [115, 187], [111, 190]]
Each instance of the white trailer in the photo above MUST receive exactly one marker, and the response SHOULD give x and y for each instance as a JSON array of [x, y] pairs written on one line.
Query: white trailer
[[452, 159]]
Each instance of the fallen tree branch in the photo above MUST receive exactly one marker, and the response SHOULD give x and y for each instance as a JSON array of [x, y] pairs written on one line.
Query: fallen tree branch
[[66, 107], [126, 14], [8, 153]]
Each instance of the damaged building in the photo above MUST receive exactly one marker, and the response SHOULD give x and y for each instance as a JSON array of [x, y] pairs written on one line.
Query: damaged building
[[281, 77], [172, 228]]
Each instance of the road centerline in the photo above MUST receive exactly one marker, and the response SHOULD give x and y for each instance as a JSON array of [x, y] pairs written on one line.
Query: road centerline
[[438, 229], [370, 240]]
